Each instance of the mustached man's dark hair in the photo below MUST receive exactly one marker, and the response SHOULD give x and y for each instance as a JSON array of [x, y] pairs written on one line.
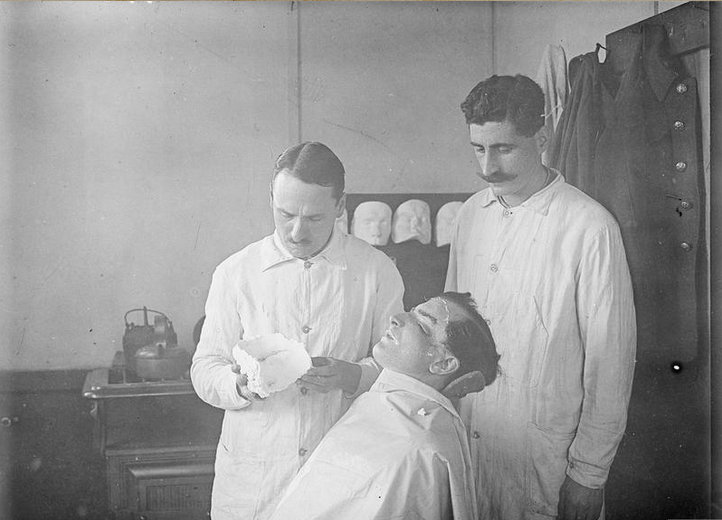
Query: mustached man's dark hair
[[516, 99], [470, 339], [313, 163]]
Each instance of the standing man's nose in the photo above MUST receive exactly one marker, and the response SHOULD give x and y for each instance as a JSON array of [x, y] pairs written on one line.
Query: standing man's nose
[[298, 230], [488, 163]]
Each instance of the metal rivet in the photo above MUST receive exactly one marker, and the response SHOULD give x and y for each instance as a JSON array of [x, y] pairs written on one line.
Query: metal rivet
[[307, 264], [302, 451], [305, 329], [681, 88], [494, 268], [686, 246], [685, 205], [304, 390], [679, 125], [476, 435], [680, 166]]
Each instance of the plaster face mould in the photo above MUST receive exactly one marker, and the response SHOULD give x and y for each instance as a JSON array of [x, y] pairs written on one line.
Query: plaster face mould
[[372, 222], [445, 222], [412, 221]]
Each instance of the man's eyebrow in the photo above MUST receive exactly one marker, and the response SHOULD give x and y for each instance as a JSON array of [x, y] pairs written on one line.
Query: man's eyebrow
[[428, 316], [495, 145], [285, 211]]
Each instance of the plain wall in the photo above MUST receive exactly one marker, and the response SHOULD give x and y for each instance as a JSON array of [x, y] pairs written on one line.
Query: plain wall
[[137, 157], [384, 82], [137, 139]]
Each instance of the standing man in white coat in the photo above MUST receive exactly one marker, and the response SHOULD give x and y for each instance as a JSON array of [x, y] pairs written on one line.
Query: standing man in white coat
[[547, 267], [312, 283]]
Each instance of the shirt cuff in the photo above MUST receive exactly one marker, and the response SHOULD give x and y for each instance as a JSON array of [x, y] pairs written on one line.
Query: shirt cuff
[[370, 371], [587, 475], [235, 400]]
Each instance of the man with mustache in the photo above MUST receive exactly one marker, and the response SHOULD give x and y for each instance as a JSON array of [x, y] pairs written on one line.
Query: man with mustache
[[401, 450], [312, 283], [547, 267]]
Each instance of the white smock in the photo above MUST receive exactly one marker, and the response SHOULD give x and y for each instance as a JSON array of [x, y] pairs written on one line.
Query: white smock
[[337, 304], [400, 452], [551, 278]]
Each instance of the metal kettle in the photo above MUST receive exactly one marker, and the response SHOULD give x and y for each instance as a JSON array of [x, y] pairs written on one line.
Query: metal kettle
[[138, 336]]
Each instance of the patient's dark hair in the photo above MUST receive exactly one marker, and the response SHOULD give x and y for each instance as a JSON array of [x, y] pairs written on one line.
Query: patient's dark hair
[[313, 163], [470, 339], [517, 99]]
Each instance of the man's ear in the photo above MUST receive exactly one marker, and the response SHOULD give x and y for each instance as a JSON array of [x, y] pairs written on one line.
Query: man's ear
[[466, 384], [541, 138], [340, 206], [445, 366]]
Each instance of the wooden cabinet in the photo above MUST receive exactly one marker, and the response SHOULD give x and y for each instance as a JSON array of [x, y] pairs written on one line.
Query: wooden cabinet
[[48, 468], [158, 440]]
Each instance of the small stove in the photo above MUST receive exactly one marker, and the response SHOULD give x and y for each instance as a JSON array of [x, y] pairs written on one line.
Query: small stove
[[158, 440], [118, 381]]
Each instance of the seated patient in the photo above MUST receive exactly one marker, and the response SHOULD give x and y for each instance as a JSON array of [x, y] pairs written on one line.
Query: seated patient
[[401, 450]]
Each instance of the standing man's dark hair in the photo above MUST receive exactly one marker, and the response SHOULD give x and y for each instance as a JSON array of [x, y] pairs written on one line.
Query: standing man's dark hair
[[516, 99], [313, 163]]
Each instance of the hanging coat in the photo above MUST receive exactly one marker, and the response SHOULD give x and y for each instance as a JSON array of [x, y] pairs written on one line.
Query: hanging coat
[[630, 139]]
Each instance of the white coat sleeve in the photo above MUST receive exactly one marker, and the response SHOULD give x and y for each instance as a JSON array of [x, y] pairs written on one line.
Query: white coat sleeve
[[211, 370], [607, 323], [389, 301]]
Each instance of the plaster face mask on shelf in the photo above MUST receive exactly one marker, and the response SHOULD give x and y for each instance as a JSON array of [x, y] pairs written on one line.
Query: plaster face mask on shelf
[[412, 221], [372, 222], [445, 222]]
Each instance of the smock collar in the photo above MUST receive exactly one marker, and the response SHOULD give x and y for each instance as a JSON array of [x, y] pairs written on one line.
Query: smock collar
[[539, 202], [388, 381]]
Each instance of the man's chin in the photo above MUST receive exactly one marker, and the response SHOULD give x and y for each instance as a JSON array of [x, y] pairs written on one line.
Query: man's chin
[[378, 352], [299, 250]]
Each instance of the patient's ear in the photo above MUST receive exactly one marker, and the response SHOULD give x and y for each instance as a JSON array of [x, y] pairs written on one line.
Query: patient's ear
[[445, 366], [466, 384]]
